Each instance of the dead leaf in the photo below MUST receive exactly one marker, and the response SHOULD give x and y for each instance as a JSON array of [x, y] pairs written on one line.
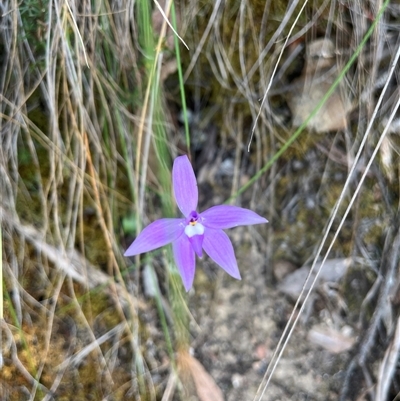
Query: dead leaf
[[191, 371], [330, 339], [318, 75]]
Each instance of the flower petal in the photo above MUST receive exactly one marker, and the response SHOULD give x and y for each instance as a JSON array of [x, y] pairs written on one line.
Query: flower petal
[[219, 248], [185, 185], [197, 244], [226, 216], [185, 260], [159, 233]]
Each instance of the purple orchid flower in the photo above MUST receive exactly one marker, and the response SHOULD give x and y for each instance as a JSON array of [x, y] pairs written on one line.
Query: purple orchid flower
[[196, 231]]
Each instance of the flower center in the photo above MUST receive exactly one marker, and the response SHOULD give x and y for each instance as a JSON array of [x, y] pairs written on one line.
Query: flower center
[[193, 227]]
